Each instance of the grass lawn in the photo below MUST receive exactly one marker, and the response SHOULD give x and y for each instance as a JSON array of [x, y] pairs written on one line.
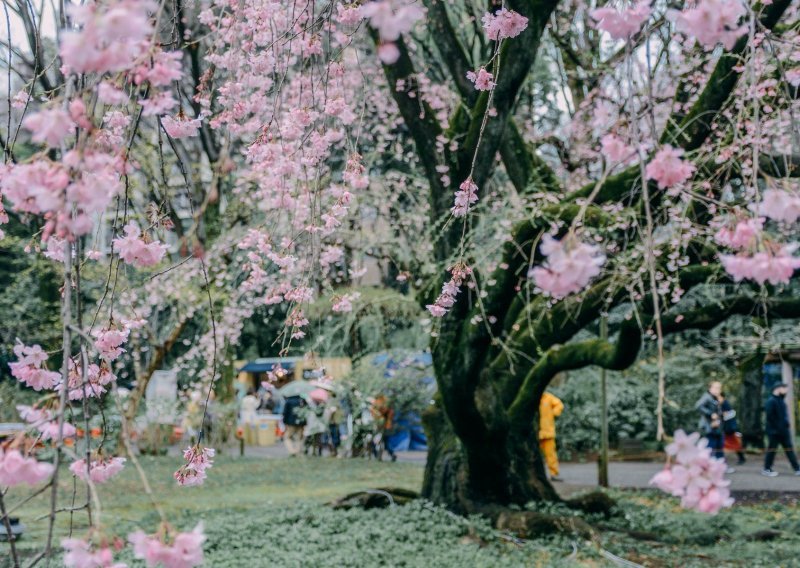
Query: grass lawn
[[271, 512]]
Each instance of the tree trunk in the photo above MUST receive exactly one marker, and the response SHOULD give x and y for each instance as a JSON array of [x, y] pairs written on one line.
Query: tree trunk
[[469, 476], [751, 400]]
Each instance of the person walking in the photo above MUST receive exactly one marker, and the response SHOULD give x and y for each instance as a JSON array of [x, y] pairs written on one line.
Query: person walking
[[295, 422], [334, 415], [730, 428], [316, 427], [710, 423], [778, 431], [550, 408]]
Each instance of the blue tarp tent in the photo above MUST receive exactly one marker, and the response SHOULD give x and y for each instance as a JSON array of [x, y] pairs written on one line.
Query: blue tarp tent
[[408, 432]]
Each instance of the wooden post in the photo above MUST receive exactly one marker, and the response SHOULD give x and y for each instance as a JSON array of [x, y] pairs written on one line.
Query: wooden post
[[602, 466]]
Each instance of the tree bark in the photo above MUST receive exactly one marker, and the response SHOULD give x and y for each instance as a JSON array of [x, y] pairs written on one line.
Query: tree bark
[[751, 401]]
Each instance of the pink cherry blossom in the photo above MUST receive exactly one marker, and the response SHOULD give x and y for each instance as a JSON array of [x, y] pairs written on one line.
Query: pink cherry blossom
[[780, 205], [711, 22], [450, 289], [185, 551], [685, 447], [93, 385], [134, 250], [482, 79], [36, 187], [51, 430], [615, 150], [668, 169], [181, 127], [111, 36], [503, 24], [49, 126], [109, 340], [198, 460], [775, 266], [79, 553], [99, 470], [392, 18], [111, 95], [28, 369], [345, 302], [568, 268], [744, 234], [16, 469], [621, 24], [388, 53], [696, 477], [464, 198]]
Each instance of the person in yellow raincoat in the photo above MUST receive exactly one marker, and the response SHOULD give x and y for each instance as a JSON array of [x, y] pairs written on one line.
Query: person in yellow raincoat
[[550, 407]]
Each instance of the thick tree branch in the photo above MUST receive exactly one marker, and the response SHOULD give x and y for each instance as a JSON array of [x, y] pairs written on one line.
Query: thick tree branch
[[623, 353]]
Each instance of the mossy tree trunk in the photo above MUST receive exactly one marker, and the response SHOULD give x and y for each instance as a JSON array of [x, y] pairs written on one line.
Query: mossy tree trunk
[[751, 400], [483, 450]]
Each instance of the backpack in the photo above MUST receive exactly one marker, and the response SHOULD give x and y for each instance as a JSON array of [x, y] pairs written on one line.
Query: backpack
[[291, 416]]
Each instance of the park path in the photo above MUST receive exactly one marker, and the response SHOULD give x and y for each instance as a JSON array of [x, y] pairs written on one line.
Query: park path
[[627, 474], [747, 477]]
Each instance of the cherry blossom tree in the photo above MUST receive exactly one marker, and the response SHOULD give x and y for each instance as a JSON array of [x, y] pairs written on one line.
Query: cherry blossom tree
[[534, 167]]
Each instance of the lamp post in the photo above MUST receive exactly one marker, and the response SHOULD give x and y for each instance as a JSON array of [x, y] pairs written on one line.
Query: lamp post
[[602, 469]]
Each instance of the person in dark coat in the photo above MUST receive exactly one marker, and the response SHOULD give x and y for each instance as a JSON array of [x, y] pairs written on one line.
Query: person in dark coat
[[294, 419], [710, 423], [778, 431]]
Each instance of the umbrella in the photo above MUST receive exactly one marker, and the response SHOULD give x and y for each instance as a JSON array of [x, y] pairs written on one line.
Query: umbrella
[[325, 385], [319, 395], [296, 388]]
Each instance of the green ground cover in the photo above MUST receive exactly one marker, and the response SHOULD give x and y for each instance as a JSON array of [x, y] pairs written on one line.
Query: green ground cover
[[272, 512]]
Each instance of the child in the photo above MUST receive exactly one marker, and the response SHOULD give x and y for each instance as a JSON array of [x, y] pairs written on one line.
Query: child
[[730, 427]]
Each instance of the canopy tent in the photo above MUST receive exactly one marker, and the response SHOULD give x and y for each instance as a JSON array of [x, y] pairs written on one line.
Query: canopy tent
[[266, 364], [297, 388]]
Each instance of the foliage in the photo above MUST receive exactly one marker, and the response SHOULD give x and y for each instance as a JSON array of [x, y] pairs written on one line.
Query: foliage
[[403, 377], [12, 394], [632, 399], [260, 512]]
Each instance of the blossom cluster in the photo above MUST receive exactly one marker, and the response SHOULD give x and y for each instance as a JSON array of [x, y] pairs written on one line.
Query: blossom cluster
[[99, 470], [391, 19], [44, 421], [198, 460], [621, 23], [181, 126], [344, 303], [503, 24], [109, 342], [775, 264], [695, 476], [185, 550], [29, 370], [615, 150], [16, 469], [668, 169], [482, 79], [97, 378], [450, 289], [743, 234], [711, 22], [466, 196], [79, 553], [569, 266], [779, 205], [135, 249]]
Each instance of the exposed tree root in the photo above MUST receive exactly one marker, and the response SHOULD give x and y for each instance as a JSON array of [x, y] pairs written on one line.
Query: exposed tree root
[[595, 502], [375, 498], [530, 524]]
